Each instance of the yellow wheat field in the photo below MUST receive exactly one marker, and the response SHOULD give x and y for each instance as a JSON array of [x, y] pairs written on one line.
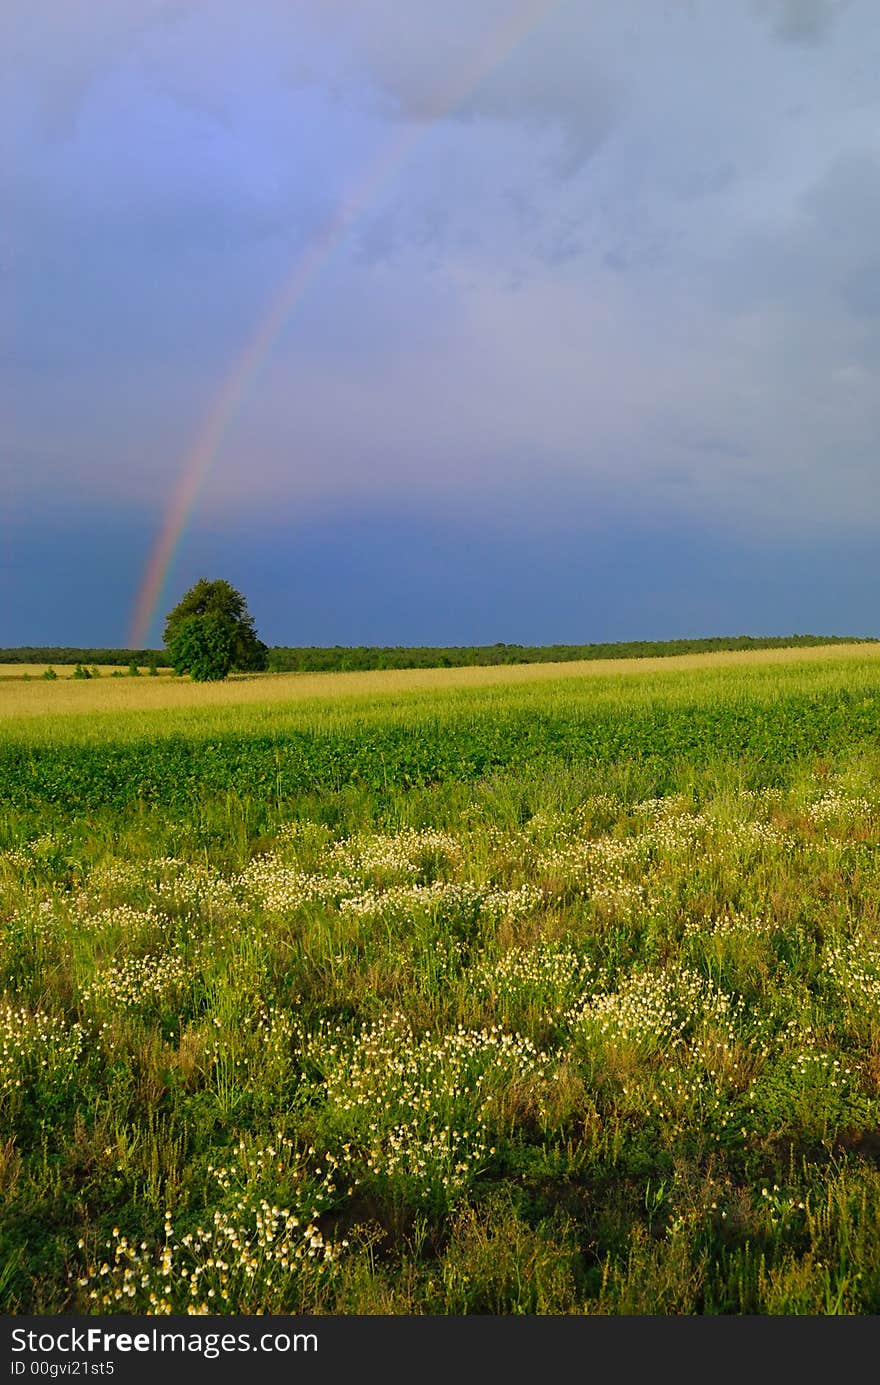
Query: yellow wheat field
[[67, 696]]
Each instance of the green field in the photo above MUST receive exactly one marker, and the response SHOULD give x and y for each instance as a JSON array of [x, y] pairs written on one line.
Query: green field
[[478, 993]]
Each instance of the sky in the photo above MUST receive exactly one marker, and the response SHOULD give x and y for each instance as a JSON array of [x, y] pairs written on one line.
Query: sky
[[531, 321]]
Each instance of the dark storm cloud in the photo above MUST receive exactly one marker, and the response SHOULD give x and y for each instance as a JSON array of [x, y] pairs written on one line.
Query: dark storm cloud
[[623, 269]]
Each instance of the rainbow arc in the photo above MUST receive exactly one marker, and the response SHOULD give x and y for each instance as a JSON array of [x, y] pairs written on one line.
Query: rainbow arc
[[197, 463]]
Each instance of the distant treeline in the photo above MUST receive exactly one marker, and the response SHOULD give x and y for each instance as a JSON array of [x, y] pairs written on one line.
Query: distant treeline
[[52, 655], [316, 659], [341, 657]]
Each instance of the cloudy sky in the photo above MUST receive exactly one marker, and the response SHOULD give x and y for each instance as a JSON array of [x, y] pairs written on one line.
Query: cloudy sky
[[521, 320]]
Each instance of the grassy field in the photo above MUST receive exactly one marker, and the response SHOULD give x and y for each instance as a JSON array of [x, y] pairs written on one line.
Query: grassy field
[[541, 989]]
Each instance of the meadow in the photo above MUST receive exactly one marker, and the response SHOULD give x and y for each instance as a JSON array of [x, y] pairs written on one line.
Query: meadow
[[541, 989]]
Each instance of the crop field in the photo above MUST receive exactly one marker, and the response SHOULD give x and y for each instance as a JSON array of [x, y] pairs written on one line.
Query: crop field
[[541, 989]]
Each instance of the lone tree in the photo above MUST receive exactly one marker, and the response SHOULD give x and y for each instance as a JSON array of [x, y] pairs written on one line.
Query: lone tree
[[211, 633]]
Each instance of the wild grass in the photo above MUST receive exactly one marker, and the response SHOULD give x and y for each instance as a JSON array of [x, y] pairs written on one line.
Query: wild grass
[[560, 1037]]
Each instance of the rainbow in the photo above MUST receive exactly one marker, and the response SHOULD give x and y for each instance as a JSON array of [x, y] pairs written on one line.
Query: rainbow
[[196, 464]]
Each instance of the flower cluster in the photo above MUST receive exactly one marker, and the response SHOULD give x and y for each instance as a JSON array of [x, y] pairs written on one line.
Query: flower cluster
[[253, 1256], [853, 968], [551, 976], [654, 1010], [405, 853], [416, 1106], [443, 900], [36, 1047], [137, 983]]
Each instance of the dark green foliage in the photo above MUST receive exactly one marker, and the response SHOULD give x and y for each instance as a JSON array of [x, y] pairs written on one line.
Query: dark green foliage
[[220, 600], [133, 670], [80, 671], [50, 673], [204, 647], [54, 654], [360, 658]]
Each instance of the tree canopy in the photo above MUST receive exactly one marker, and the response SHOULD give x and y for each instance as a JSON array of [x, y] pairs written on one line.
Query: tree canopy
[[211, 633]]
